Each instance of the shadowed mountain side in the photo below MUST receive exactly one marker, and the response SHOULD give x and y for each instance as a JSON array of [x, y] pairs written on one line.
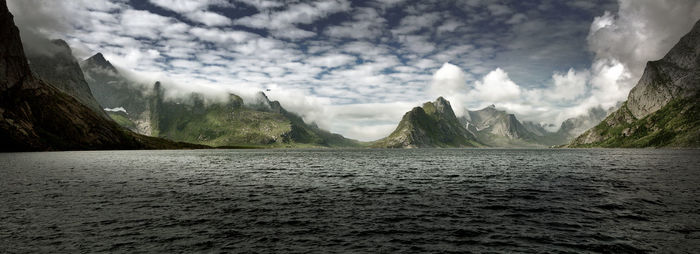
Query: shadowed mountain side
[[59, 68], [35, 115]]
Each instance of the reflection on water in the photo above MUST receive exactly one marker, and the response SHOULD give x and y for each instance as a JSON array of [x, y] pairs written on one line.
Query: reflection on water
[[433, 200]]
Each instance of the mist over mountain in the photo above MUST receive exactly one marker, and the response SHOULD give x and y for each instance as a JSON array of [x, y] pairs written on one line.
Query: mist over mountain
[[197, 118]]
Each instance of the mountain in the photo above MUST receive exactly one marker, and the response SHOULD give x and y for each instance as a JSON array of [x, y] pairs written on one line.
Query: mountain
[[662, 109], [432, 125], [114, 91], [59, 68], [35, 115], [497, 128], [235, 123], [197, 119]]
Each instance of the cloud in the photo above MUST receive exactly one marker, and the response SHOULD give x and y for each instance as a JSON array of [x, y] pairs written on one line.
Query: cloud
[[569, 86], [331, 60], [366, 23], [499, 9], [196, 10], [496, 87], [282, 23]]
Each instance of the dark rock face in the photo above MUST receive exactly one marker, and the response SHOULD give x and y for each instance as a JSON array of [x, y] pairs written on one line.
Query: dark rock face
[[13, 63], [432, 125], [662, 109], [35, 115]]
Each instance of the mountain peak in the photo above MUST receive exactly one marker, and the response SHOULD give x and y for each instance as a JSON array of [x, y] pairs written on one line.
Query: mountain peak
[[98, 60]]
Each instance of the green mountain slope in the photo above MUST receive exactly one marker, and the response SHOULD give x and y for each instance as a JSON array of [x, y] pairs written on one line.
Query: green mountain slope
[[432, 125], [675, 125], [235, 123]]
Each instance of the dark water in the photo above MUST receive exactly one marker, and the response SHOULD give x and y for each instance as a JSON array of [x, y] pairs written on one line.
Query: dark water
[[351, 201]]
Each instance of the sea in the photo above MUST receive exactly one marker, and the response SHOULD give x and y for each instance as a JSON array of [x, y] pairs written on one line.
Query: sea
[[351, 201]]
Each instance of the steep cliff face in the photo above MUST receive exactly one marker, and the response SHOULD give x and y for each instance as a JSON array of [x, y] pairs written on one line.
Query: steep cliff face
[[14, 69], [35, 115], [59, 68], [662, 109], [432, 125]]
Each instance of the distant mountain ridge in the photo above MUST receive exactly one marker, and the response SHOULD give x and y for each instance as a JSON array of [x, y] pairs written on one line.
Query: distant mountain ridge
[[662, 109], [435, 125], [497, 128]]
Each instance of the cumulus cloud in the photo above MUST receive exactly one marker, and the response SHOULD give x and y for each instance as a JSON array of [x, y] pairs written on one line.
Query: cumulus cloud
[[496, 87], [569, 86]]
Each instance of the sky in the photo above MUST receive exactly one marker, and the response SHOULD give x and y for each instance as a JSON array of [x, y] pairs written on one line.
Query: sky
[[355, 67]]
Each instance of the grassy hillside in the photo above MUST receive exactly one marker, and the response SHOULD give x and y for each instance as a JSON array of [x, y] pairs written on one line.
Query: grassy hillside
[[675, 125]]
